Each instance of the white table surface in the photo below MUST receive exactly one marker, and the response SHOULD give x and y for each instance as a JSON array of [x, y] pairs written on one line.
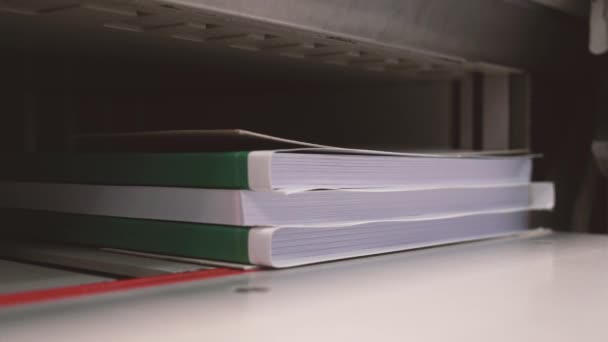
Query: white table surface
[[547, 287]]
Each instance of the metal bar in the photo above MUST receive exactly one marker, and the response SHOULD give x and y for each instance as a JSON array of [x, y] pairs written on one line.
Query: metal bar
[[466, 113], [519, 107], [474, 30], [496, 112]]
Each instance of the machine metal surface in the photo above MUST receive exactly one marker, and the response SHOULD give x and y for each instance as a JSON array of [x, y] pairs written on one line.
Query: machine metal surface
[[545, 286], [418, 39]]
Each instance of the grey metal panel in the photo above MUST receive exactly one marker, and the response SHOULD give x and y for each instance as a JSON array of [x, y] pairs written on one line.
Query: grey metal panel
[[520, 113], [575, 7], [414, 38], [466, 128], [496, 112], [513, 33], [18, 277], [92, 259], [545, 287]]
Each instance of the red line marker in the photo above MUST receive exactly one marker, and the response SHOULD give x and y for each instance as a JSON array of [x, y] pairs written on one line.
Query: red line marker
[[37, 296]]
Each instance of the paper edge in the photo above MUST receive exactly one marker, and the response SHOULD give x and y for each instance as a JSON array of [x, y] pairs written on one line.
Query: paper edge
[[260, 245], [259, 170], [542, 196], [385, 250]]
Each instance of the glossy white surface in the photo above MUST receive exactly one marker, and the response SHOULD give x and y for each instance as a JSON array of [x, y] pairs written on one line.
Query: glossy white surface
[[551, 287]]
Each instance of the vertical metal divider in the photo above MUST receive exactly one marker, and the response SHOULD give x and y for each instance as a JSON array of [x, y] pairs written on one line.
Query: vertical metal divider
[[496, 112], [456, 117], [499, 111], [520, 92], [29, 107], [67, 105], [463, 117], [477, 110]]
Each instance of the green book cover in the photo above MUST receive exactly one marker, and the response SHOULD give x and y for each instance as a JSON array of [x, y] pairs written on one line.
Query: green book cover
[[226, 170], [206, 241]]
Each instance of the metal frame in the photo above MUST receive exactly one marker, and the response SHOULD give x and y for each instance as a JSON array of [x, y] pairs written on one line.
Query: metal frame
[[417, 38], [518, 33]]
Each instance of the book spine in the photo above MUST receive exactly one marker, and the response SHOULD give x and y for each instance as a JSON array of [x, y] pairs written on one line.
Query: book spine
[[193, 240], [225, 170], [214, 206]]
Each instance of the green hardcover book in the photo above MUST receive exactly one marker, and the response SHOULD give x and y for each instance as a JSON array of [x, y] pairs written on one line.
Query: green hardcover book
[[265, 246], [238, 159], [265, 170], [206, 241], [205, 170]]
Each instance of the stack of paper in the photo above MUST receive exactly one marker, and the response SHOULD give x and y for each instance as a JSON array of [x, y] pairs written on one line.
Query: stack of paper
[[276, 208]]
